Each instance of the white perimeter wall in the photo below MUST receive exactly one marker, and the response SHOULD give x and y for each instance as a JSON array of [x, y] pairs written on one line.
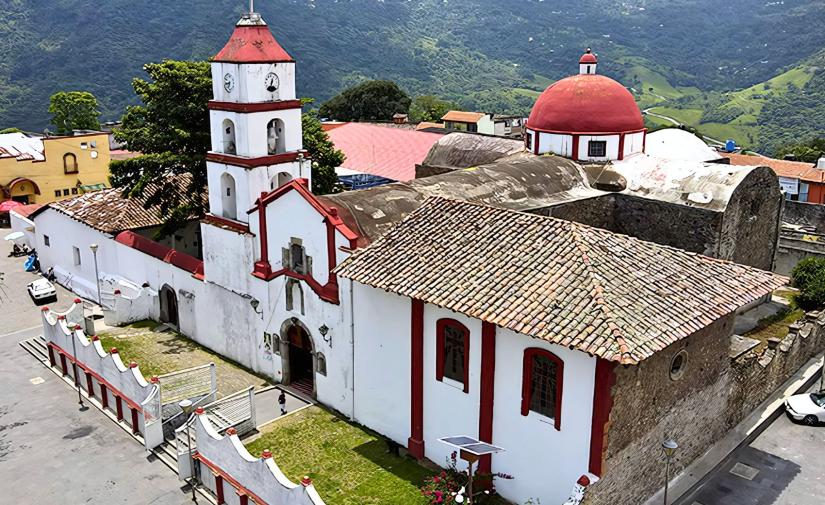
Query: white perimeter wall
[[22, 224], [561, 145], [634, 143], [545, 462]]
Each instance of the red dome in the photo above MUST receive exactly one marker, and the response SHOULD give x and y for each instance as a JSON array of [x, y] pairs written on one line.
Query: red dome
[[586, 103]]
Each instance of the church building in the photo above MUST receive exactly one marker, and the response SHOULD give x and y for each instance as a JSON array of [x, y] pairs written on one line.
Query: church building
[[452, 305]]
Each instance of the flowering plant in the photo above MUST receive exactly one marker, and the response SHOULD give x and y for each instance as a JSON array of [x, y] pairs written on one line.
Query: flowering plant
[[450, 485]]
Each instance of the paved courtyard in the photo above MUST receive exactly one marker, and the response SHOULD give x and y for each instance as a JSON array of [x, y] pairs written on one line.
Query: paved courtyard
[[50, 451], [783, 466]]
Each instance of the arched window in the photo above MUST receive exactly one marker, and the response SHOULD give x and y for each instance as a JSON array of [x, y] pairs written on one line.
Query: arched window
[[294, 296], [452, 352], [541, 387], [275, 142], [281, 179], [229, 137], [69, 163], [320, 364], [228, 196]]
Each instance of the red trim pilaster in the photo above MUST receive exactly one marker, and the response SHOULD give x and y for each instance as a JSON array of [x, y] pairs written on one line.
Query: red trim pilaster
[[332, 260], [63, 364], [644, 141], [90, 387], [602, 405], [536, 141], [219, 488], [243, 498], [575, 148], [621, 146], [262, 266], [486, 391], [415, 444], [135, 423], [119, 408], [104, 396], [52, 361]]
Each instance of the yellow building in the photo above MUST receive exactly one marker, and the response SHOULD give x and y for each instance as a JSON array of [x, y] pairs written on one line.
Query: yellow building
[[43, 170]]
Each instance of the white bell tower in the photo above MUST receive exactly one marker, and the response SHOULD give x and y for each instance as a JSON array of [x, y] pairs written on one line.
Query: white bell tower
[[255, 121]]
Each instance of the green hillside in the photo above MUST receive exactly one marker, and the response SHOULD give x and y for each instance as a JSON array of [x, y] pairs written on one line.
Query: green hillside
[[494, 55]]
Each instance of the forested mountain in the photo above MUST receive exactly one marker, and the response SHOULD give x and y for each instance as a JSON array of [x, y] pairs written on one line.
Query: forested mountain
[[689, 56]]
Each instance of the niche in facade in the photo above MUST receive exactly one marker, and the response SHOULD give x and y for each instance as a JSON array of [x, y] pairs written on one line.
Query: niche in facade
[[275, 141]]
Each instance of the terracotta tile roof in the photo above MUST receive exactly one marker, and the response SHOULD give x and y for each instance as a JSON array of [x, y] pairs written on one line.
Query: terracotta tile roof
[[606, 294], [109, 211], [27, 210], [377, 150], [782, 168], [463, 117]]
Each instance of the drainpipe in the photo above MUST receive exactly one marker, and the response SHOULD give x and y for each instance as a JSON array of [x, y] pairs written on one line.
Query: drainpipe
[[352, 344]]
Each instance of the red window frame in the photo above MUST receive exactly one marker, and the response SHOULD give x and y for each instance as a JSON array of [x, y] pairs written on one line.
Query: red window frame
[[440, 337], [527, 381]]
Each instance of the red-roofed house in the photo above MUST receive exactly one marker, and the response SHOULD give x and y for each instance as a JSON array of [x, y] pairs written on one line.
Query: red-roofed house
[[803, 182], [385, 153]]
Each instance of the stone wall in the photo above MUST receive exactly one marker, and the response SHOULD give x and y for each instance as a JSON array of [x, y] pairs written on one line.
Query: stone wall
[[750, 227], [794, 247], [802, 213], [714, 395], [597, 212]]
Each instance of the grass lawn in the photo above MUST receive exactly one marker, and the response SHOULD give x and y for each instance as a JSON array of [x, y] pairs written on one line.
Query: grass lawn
[[158, 353], [347, 463], [774, 326]]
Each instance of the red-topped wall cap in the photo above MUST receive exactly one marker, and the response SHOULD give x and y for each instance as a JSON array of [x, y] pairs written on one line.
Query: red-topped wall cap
[[133, 365], [306, 481], [61, 317], [253, 44], [44, 309], [78, 300], [113, 350], [78, 327], [199, 411], [95, 338], [231, 431], [267, 454], [584, 480], [154, 379]]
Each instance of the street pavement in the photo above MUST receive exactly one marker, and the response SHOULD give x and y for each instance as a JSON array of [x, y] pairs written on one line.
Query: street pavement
[[782, 466], [51, 451]]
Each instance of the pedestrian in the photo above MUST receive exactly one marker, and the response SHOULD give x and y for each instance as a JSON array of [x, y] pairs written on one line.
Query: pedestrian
[[282, 402]]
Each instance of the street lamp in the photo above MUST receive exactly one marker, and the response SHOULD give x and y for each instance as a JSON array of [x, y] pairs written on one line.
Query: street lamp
[[74, 367], [94, 247], [669, 447], [186, 406]]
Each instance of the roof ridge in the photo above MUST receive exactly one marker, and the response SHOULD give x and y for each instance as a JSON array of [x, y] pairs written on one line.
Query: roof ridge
[[598, 296]]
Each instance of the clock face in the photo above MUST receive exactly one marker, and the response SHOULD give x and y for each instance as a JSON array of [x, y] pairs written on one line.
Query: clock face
[[228, 82], [272, 82]]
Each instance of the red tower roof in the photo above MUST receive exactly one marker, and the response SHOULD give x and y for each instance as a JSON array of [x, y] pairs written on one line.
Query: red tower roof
[[588, 57], [588, 103], [253, 44]]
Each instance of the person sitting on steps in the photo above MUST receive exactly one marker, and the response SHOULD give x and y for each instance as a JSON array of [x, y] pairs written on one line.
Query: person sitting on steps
[[282, 402]]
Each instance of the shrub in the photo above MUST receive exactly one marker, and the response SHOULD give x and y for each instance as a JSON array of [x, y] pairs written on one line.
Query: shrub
[[809, 277]]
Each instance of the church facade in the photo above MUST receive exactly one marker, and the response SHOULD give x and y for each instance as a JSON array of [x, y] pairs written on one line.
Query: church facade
[[424, 316]]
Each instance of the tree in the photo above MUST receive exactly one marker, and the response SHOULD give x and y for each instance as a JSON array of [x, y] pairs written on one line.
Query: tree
[[325, 158], [809, 277], [809, 151], [74, 110], [429, 108], [171, 130], [368, 101], [11, 130]]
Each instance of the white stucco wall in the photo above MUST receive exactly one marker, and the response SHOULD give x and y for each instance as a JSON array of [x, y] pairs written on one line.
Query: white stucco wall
[[544, 461], [382, 362], [486, 125], [612, 147], [250, 84], [24, 225], [251, 130], [634, 143], [249, 184], [555, 143]]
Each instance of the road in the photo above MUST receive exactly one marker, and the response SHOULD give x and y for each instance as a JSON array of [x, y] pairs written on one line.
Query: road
[[50, 450], [783, 466]]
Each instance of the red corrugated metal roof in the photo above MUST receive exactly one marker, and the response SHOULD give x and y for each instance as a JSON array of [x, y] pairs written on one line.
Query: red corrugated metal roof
[[382, 151]]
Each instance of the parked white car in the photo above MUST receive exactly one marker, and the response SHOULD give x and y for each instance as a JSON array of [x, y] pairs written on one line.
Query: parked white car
[[808, 408], [41, 289]]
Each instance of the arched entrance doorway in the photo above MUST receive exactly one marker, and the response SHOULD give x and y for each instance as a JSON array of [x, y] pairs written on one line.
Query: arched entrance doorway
[[298, 357], [168, 306]]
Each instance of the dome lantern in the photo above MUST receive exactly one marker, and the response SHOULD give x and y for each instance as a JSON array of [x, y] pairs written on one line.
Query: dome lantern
[[588, 62]]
